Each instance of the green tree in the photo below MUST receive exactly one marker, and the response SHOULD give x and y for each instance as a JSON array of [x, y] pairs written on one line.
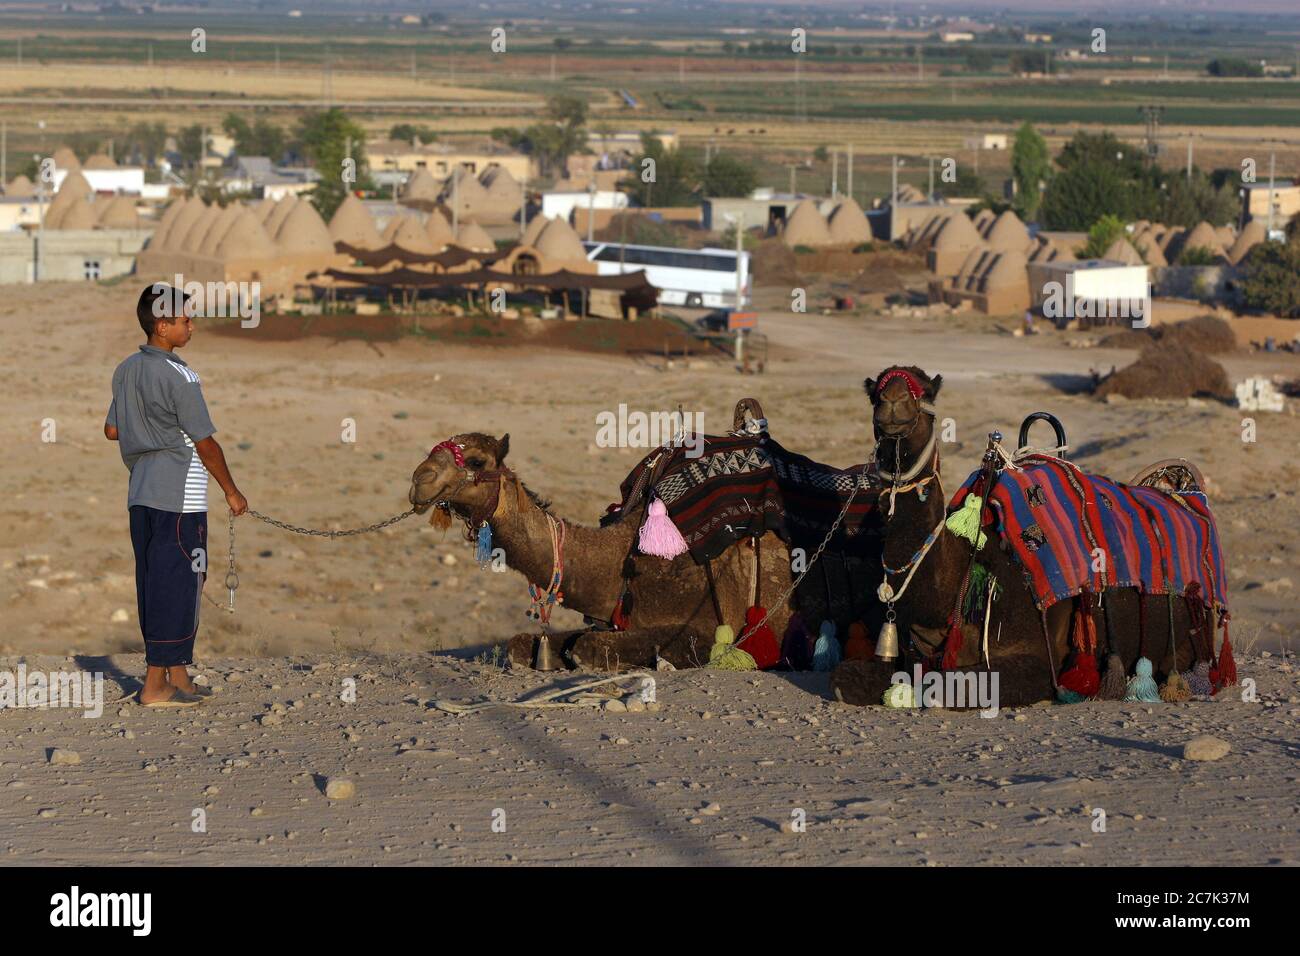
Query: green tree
[[407, 132], [1187, 202], [727, 176], [1101, 234], [1100, 175], [967, 183], [189, 143], [147, 140], [259, 139], [669, 179], [324, 138], [1031, 166], [1272, 279], [1233, 66]]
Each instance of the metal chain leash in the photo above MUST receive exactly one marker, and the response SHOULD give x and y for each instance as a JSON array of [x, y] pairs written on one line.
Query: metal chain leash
[[861, 483], [328, 534], [232, 576]]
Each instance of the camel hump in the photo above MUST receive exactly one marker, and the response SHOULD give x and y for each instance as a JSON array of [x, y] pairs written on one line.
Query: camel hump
[[757, 421]]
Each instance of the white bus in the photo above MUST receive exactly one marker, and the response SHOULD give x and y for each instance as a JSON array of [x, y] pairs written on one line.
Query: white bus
[[699, 278]]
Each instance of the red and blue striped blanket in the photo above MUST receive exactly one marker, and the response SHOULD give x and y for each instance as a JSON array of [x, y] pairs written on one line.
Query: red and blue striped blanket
[[1054, 518]]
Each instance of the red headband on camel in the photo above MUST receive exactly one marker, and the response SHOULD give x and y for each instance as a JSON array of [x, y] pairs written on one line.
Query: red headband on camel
[[457, 451], [913, 386]]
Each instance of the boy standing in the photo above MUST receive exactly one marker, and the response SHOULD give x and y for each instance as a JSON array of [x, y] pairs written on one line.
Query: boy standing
[[160, 421]]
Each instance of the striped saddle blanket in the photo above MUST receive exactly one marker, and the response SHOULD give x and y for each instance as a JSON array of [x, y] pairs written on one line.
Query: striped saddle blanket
[[1072, 532], [741, 486]]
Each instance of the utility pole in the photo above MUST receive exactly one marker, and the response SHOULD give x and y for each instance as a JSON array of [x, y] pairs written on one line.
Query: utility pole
[[835, 174], [893, 196], [1190, 141], [740, 248], [1272, 165], [523, 206], [849, 170]]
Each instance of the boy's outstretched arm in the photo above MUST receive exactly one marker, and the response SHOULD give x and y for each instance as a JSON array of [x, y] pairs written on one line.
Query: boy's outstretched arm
[[110, 432], [214, 460]]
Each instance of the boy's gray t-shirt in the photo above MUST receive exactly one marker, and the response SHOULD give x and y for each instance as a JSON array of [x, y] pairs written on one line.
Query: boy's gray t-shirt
[[159, 413]]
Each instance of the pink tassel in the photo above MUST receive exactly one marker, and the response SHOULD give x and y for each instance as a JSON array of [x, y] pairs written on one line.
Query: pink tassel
[[658, 535]]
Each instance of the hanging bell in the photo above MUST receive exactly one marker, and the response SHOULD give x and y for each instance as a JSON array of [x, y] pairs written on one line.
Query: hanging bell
[[887, 642], [545, 659]]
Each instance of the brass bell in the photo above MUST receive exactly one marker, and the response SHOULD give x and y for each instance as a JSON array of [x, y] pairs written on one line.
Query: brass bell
[[887, 643], [545, 659]]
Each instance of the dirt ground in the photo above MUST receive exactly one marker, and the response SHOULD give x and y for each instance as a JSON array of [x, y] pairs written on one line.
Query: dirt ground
[[942, 788]]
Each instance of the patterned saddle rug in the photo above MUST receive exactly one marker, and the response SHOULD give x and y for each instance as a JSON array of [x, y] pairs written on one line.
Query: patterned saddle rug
[[1053, 518], [740, 486]]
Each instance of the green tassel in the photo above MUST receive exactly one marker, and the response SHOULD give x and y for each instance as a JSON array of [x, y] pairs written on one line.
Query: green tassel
[[1067, 696], [977, 594], [965, 521], [725, 655]]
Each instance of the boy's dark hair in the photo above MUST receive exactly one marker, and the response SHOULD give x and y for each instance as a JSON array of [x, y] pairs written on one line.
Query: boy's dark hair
[[159, 301]]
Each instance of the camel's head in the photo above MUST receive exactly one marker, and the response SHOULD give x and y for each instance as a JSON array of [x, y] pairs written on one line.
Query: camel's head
[[902, 400], [446, 477]]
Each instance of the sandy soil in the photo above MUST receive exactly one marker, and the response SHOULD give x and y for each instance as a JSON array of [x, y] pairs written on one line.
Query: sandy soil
[[386, 604], [708, 779]]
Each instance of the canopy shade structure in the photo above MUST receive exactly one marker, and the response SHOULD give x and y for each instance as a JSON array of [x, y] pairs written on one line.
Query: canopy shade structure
[[562, 280], [449, 258]]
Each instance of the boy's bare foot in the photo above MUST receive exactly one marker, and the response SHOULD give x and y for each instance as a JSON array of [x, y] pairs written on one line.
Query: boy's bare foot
[[151, 695]]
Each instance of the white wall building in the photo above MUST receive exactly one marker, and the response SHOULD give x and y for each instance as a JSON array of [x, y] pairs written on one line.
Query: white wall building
[[562, 204]]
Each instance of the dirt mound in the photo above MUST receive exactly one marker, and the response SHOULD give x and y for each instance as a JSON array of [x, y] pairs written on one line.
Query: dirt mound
[[1205, 333], [773, 263], [1168, 370]]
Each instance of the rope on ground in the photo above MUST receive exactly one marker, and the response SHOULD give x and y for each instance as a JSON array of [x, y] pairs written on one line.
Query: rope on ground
[[549, 699]]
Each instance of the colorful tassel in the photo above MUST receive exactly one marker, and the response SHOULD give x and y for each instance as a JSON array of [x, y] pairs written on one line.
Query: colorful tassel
[[658, 535], [1175, 689], [622, 616], [1225, 674], [1114, 685], [1082, 679], [826, 653], [859, 647], [899, 696], [724, 655], [1198, 679], [1142, 687], [952, 644], [965, 521], [796, 644], [760, 641], [483, 550], [978, 593]]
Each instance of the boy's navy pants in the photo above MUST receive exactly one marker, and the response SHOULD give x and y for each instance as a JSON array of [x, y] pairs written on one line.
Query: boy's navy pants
[[169, 547]]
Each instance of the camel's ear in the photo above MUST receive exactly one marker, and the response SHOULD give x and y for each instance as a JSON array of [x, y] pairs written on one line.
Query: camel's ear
[[869, 386], [503, 447], [932, 390]]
